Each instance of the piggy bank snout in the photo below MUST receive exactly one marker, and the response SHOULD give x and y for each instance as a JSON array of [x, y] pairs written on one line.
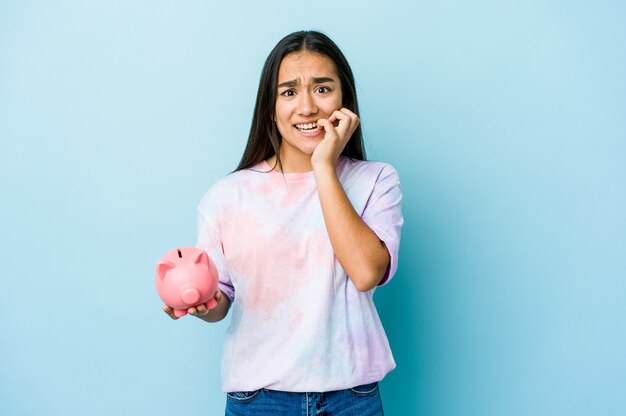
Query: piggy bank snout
[[191, 296]]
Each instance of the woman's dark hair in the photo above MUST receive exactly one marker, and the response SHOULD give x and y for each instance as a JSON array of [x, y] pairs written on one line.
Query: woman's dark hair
[[264, 138]]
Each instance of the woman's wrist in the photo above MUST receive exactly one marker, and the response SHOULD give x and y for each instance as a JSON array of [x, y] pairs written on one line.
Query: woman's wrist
[[324, 166], [219, 311]]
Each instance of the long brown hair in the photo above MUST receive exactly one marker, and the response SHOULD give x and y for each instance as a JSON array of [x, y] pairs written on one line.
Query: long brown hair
[[264, 138]]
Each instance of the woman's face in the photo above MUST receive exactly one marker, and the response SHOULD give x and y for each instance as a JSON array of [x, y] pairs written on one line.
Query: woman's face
[[308, 90]]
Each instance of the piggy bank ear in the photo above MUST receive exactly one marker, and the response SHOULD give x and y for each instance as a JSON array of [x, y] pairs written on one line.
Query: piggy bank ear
[[201, 258], [163, 267]]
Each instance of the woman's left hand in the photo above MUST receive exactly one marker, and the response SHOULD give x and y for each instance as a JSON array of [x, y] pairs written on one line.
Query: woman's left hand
[[335, 138]]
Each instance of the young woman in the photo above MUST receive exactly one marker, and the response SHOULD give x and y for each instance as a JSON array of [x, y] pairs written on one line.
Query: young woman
[[302, 232]]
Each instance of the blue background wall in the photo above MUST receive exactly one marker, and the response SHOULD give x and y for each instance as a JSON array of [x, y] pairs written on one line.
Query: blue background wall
[[504, 119]]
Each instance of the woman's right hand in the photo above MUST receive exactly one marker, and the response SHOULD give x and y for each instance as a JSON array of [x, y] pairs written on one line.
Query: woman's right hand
[[198, 311]]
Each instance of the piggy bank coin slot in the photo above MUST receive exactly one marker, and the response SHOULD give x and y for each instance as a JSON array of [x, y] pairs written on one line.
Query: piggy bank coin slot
[[180, 255]]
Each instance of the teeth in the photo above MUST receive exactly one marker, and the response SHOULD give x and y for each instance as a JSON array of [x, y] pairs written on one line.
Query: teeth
[[307, 126]]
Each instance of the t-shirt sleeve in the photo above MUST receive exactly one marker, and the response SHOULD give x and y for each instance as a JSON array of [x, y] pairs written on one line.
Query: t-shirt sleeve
[[383, 214], [208, 240]]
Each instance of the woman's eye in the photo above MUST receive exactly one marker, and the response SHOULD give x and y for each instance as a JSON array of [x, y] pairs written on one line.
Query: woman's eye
[[323, 90], [289, 93]]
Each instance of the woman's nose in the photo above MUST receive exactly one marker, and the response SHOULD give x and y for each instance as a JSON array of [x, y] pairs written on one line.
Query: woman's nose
[[306, 104]]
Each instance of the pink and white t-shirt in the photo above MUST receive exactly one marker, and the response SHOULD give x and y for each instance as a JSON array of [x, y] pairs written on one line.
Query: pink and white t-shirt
[[298, 322]]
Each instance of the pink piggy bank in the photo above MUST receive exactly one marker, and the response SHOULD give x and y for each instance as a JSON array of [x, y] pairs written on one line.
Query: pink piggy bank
[[186, 277]]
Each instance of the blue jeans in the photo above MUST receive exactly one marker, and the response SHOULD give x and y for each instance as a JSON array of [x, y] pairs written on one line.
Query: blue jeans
[[357, 401]]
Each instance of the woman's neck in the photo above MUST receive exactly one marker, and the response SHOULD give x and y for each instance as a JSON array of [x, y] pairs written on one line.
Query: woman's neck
[[289, 165]]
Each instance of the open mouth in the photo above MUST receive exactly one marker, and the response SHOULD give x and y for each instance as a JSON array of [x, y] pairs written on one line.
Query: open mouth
[[307, 127]]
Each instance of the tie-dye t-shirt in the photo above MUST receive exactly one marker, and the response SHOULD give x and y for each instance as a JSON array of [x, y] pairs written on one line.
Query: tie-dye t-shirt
[[298, 322]]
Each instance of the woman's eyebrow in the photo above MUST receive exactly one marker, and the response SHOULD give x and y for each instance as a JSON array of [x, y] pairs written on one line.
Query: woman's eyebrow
[[291, 83], [322, 80], [294, 82]]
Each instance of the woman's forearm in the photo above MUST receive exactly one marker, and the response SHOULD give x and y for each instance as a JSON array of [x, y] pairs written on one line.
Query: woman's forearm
[[360, 252]]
